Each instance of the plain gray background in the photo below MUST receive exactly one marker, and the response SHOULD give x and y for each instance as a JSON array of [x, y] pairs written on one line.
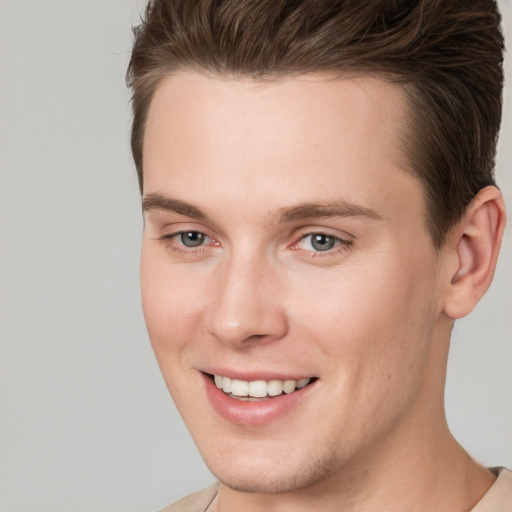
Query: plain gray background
[[85, 420]]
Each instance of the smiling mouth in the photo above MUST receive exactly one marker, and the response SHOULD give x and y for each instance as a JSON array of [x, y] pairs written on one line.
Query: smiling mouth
[[257, 390]]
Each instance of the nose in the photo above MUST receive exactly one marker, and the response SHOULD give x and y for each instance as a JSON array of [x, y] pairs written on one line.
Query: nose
[[245, 305]]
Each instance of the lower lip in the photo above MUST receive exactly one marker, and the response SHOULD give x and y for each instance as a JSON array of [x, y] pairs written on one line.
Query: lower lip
[[259, 412]]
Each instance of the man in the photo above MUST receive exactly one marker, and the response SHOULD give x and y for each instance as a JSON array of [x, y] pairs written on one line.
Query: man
[[320, 207]]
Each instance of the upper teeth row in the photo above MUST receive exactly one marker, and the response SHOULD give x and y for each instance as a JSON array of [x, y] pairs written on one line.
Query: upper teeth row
[[258, 388]]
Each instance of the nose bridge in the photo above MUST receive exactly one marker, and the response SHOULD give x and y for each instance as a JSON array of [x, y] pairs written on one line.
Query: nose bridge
[[245, 303]]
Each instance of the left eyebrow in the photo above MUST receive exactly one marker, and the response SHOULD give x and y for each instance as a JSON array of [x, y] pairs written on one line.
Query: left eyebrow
[[322, 210]]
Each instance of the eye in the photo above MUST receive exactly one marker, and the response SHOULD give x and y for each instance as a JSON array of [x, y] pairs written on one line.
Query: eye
[[191, 238], [190, 243], [320, 242]]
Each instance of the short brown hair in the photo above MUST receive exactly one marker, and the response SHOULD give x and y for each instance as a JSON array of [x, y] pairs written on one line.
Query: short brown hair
[[447, 54]]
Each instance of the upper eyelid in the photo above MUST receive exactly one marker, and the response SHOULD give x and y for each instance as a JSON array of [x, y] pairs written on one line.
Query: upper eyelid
[[336, 237], [167, 222], [343, 236], [324, 232], [182, 231], [341, 240], [171, 230]]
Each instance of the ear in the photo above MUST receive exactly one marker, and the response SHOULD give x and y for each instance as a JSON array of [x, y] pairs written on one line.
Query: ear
[[474, 245]]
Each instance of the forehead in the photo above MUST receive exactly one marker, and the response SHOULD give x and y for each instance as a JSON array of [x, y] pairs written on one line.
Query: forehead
[[313, 107], [314, 137]]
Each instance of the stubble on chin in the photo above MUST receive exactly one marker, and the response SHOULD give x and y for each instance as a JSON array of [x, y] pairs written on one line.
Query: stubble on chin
[[282, 477]]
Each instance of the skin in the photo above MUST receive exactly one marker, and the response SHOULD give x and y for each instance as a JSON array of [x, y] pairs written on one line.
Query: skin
[[370, 318]]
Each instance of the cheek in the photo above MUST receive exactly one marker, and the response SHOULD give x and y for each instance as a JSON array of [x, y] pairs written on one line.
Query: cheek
[[352, 304], [375, 322], [171, 311], [171, 302]]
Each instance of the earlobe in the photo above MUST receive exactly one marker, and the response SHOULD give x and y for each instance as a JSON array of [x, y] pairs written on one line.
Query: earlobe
[[476, 247]]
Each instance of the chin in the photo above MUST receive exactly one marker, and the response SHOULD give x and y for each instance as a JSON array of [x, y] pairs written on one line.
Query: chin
[[271, 475]]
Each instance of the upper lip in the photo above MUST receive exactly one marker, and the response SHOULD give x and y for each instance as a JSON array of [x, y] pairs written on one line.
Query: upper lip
[[253, 375]]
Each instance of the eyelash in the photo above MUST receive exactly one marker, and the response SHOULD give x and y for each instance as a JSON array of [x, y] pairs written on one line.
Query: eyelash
[[341, 244], [180, 248]]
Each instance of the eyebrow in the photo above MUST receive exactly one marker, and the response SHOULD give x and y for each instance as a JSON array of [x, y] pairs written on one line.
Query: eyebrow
[[299, 212], [157, 201], [319, 210]]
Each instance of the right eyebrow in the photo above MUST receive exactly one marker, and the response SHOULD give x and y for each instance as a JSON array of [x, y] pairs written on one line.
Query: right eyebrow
[[156, 201]]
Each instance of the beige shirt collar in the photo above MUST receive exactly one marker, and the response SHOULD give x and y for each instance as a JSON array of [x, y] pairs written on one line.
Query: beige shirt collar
[[499, 497]]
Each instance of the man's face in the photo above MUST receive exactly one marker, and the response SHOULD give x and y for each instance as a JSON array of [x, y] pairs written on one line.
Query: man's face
[[285, 240]]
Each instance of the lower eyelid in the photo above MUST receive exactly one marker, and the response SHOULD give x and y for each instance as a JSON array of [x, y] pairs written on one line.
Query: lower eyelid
[[342, 246], [182, 250]]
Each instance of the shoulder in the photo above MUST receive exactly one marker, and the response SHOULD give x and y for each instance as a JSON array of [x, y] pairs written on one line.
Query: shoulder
[[197, 502], [499, 496]]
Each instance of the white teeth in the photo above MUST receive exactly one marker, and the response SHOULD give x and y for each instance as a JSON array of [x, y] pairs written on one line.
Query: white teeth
[[275, 387], [301, 383], [226, 384], [259, 388], [289, 386], [239, 387]]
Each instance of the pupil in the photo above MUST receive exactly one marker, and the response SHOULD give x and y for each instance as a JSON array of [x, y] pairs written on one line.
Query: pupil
[[322, 242], [192, 239]]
